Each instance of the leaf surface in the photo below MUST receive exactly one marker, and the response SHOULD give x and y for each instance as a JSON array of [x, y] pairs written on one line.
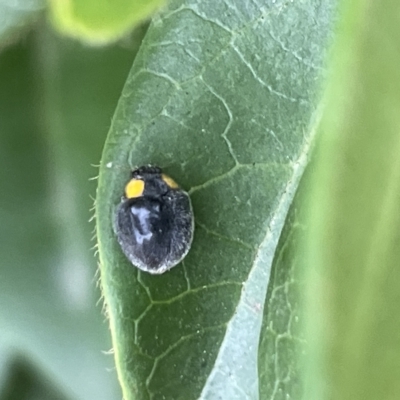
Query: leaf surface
[[282, 340], [223, 97]]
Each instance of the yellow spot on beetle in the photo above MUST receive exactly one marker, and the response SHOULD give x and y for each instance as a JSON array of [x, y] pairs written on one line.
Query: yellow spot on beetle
[[169, 181], [134, 188]]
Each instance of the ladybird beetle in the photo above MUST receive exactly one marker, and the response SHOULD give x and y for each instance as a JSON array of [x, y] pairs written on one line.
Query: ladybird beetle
[[154, 222]]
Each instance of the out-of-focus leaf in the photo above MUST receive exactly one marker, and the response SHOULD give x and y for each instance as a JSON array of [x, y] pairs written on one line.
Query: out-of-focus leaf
[[56, 103], [353, 278], [100, 21], [15, 15], [222, 95], [24, 382]]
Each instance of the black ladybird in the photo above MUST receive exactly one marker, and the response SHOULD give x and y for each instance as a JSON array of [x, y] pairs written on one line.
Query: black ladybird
[[154, 221]]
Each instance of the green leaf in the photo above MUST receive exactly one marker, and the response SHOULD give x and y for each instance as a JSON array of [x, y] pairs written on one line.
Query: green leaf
[[353, 275], [100, 21], [282, 341], [25, 382], [56, 103], [15, 16], [222, 95]]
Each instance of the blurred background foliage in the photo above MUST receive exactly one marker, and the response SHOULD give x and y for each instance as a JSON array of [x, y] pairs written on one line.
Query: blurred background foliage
[[57, 97]]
